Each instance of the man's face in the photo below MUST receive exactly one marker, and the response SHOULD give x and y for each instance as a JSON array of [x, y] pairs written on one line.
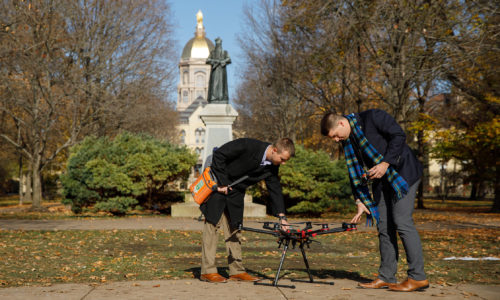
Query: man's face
[[340, 132], [279, 158]]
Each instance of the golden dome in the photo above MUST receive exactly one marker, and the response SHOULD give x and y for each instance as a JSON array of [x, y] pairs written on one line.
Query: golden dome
[[199, 46]]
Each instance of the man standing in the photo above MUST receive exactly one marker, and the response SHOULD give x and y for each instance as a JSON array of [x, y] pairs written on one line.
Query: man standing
[[235, 159], [376, 152]]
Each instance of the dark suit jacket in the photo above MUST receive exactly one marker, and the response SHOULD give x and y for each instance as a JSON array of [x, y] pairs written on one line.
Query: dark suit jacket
[[232, 161], [385, 134]]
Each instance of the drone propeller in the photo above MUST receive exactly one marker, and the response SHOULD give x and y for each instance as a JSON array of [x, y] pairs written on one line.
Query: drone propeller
[[273, 223]]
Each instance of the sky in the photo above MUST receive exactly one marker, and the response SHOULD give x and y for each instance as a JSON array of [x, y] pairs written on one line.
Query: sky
[[221, 18]]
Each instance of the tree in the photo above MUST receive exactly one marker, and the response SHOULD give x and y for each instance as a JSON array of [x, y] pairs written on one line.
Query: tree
[[72, 68], [268, 106], [473, 54], [469, 113]]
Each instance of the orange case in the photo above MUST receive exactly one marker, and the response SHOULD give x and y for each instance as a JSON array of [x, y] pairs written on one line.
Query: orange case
[[203, 186]]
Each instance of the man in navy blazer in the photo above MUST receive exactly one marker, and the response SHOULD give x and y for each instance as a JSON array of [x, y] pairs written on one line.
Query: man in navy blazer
[[395, 214], [233, 160]]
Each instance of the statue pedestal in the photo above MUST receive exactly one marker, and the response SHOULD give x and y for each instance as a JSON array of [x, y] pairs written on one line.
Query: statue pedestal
[[253, 210], [187, 209], [218, 119], [191, 209]]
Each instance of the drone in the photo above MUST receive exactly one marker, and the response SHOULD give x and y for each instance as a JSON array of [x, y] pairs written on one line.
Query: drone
[[302, 237]]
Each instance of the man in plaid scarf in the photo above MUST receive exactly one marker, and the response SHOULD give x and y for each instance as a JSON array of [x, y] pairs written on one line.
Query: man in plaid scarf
[[377, 154]]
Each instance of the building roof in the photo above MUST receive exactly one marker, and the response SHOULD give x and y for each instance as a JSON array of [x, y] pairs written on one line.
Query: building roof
[[199, 46], [185, 114]]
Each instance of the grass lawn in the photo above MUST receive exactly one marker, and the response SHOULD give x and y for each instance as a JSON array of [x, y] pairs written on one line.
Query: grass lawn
[[46, 257], [13, 200]]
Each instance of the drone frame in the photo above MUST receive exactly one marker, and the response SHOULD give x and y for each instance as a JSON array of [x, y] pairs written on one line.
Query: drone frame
[[303, 237]]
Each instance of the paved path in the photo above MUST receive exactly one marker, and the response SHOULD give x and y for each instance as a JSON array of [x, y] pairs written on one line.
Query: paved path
[[193, 289]]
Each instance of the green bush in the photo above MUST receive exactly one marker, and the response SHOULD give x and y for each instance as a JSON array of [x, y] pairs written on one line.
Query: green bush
[[313, 183], [119, 174]]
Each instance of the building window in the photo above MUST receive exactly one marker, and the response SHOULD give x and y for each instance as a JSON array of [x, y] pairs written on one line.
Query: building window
[[200, 80], [185, 77], [200, 95], [183, 137], [199, 134], [185, 96]]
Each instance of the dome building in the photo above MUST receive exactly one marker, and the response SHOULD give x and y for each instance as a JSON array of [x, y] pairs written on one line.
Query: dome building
[[193, 88]]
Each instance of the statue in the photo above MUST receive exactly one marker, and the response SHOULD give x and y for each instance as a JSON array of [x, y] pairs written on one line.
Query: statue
[[217, 86]]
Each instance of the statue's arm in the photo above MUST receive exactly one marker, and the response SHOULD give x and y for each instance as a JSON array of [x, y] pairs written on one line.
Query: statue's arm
[[226, 61]]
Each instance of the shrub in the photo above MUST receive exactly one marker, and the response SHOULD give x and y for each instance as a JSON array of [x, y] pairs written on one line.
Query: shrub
[[313, 183], [118, 174]]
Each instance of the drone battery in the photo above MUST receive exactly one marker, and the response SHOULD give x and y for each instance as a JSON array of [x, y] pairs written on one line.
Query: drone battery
[[203, 186]]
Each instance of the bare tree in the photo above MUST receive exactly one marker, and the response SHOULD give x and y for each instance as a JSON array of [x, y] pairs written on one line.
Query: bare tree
[[269, 106], [74, 68]]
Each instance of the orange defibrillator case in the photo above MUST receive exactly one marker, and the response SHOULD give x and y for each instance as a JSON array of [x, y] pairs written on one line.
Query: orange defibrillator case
[[203, 186]]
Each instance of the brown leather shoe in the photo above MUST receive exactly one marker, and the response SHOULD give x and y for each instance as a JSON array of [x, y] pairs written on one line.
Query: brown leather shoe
[[213, 277], [376, 284], [410, 285], [243, 277]]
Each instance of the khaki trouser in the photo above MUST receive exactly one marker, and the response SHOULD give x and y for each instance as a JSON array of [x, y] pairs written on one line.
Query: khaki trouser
[[232, 237]]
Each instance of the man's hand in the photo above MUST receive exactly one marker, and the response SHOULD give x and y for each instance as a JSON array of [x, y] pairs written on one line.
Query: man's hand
[[361, 209], [223, 189], [378, 171], [284, 225], [283, 222]]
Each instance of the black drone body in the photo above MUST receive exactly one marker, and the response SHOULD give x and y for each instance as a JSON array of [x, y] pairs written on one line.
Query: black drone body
[[302, 237]]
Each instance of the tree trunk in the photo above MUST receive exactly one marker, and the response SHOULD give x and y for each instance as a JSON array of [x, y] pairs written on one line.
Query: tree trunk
[[420, 198], [496, 201], [28, 193], [421, 152], [37, 185], [21, 180], [473, 191]]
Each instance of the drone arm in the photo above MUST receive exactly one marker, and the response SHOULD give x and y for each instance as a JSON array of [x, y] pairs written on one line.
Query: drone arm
[[333, 230], [259, 230], [345, 227]]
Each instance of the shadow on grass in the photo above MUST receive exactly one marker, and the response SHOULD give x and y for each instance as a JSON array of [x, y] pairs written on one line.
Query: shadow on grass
[[316, 274]]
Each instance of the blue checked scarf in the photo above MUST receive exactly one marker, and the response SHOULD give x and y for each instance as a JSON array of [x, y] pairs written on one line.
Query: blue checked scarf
[[357, 172]]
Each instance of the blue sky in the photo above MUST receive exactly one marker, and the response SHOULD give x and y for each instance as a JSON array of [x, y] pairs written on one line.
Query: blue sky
[[221, 18]]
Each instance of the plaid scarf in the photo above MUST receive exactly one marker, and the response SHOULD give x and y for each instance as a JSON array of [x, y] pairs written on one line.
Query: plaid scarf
[[359, 175]]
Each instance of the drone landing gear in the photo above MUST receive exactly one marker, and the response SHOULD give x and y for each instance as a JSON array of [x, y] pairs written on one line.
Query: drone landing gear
[[283, 254]]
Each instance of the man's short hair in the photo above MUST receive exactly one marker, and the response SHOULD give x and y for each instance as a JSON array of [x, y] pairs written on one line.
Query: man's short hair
[[285, 144], [330, 121]]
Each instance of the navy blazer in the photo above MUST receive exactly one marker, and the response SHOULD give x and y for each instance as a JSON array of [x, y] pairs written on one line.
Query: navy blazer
[[232, 161], [385, 134]]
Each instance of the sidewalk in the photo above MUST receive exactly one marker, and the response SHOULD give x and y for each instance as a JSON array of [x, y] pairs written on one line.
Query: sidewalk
[[194, 289]]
